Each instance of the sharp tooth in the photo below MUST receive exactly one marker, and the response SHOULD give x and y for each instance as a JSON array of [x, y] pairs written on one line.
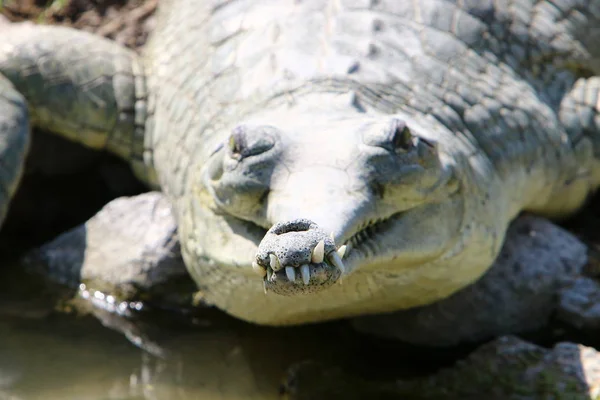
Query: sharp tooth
[[258, 269], [291, 273], [318, 252], [305, 271], [265, 287], [342, 251], [336, 260], [270, 273], [332, 237], [274, 261]]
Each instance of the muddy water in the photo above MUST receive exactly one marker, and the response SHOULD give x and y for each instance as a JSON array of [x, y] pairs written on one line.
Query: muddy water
[[77, 358], [68, 357]]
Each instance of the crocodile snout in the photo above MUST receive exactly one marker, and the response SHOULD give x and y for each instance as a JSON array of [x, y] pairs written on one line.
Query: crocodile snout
[[298, 256]]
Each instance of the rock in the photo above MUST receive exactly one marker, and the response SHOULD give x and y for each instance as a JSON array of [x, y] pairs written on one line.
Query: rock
[[510, 368], [507, 368], [518, 294], [579, 303], [129, 248]]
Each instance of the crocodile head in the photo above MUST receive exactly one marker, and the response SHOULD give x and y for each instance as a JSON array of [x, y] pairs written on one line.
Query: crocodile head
[[325, 194]]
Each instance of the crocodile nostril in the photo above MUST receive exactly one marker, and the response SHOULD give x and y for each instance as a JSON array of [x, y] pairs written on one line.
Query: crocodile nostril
[[246, 141], [296, 225]]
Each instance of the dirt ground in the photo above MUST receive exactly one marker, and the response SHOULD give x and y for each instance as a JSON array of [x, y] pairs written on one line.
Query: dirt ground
[[125, 21]]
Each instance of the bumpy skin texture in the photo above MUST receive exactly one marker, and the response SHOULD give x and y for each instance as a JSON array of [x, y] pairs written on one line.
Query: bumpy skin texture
[[413, 131]]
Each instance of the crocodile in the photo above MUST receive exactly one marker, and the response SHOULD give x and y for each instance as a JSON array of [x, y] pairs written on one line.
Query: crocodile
[[328, 159]]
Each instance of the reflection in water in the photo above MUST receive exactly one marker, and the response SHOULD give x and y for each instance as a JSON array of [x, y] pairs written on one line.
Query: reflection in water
[[65, 358]]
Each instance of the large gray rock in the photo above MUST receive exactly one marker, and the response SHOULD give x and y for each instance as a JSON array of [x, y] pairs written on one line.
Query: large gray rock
[[507, 368], [128, 248]]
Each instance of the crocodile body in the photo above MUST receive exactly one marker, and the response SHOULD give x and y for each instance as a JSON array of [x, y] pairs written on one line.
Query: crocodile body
[[413, 131]]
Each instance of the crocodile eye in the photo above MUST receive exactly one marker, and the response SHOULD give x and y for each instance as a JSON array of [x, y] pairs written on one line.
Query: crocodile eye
[[402, 139]]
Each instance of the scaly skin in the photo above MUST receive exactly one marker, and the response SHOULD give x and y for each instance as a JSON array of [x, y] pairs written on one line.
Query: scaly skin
[[414, 131]]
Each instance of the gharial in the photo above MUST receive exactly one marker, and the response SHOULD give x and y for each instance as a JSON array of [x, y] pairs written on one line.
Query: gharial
[[413, 132]]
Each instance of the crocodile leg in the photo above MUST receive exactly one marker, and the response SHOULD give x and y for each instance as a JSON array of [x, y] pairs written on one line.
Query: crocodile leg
[[14, 141], [80, 86]]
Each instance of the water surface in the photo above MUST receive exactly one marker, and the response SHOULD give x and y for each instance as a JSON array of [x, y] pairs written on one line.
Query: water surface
[[69, 357]]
